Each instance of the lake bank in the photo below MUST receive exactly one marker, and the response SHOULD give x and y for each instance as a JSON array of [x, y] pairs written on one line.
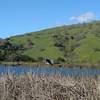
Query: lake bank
[[39, 64]]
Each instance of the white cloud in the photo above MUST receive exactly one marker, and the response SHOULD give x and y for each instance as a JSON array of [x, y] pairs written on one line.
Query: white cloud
[[84, 17]]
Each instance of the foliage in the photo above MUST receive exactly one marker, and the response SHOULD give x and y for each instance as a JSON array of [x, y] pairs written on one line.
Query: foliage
[[74, 43]]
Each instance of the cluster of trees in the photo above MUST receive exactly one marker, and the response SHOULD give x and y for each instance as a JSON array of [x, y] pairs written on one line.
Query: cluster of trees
[[66, 43], [12, 52], [66, 38]]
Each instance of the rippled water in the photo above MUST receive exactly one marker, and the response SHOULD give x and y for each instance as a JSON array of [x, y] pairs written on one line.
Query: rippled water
[[49, 70]]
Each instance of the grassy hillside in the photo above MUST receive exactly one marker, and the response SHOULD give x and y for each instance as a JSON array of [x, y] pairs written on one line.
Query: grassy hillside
[[78, 43]]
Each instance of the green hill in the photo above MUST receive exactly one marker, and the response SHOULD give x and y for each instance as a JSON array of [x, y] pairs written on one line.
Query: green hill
[[79, 43]]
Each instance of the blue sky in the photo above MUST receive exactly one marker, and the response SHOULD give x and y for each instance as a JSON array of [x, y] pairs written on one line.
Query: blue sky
[[22, 16]]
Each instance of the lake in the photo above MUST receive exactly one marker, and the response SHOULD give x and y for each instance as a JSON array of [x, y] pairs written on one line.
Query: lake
[[50, 70]]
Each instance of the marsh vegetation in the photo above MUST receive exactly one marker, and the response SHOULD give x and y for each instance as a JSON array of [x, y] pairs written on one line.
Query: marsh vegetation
[[30, 86]]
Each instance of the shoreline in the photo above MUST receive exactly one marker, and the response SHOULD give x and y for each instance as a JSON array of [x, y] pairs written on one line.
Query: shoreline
[[39, 64]]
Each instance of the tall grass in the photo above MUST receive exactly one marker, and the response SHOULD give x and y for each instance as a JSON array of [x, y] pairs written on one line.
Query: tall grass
[[48, 87]]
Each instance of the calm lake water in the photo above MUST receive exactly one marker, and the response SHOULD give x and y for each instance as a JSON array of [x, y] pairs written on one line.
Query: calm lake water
[[50, 70]]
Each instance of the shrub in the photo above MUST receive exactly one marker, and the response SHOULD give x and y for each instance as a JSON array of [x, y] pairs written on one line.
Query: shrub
[[40, 59], [59, 60]]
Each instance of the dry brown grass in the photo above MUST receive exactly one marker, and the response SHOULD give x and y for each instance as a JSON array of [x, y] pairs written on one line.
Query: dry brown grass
[[48, 87]]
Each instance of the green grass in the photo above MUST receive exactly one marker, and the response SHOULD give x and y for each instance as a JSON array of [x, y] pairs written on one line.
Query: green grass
[[43, 42], [43, 46], [86, 50]]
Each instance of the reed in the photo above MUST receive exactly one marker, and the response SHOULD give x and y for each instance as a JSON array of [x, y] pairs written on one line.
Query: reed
[[30, 86]]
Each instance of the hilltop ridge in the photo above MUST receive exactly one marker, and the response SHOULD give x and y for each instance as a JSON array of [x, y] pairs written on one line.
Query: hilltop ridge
[[79, 43]]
